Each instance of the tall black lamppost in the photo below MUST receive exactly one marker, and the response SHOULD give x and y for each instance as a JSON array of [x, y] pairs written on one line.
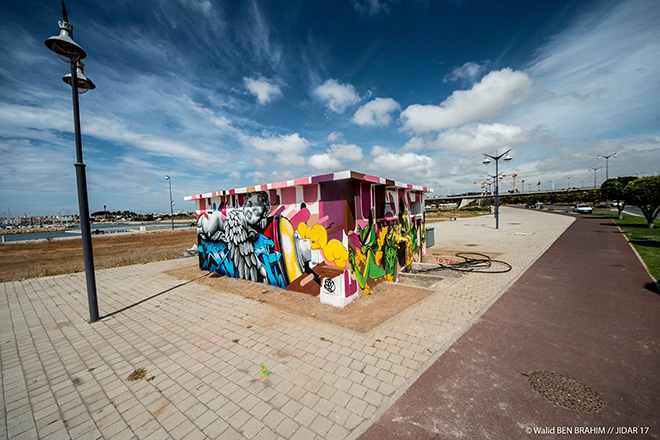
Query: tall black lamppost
[[171, 200], [70, 52], [607, 164], [486, 161]]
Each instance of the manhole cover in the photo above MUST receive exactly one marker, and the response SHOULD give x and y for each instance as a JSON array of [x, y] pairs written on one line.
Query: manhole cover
[[565, 391]]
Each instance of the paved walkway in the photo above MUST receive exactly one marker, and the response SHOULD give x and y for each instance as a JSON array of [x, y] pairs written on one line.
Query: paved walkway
[[203, 351], [585, 309]]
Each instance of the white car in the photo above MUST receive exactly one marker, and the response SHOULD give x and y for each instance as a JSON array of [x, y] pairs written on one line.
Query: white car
[[583, 209]]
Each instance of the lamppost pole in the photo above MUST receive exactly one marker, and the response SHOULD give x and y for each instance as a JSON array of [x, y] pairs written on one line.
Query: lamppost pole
[[486, 161], [83, 206], [595, 170], [70, 52], [169, 180], [607, 164]]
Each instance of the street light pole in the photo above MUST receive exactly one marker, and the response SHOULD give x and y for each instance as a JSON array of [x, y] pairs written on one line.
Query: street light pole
[[486, 161], [70, 52], [607, 164], [595, 170], [171, 200]]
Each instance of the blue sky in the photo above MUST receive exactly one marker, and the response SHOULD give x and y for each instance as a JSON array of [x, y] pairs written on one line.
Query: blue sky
[[224, 94]]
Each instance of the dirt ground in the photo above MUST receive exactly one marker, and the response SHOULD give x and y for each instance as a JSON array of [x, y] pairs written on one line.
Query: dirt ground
[[22, 260], [385, 301]]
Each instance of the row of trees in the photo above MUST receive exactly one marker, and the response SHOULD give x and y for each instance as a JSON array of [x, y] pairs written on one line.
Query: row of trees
[[558, 198], [641, 192]]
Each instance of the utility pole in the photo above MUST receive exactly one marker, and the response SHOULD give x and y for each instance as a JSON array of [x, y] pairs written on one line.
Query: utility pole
[[607, 164], [595, 170]]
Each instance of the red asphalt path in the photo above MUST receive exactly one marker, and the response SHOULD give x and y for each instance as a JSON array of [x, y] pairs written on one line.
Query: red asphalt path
[[585, 309]]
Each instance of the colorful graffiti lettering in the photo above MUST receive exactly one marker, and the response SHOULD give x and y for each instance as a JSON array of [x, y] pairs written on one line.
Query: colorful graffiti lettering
[[334, 253], [365, 262], [329, 239], [380, 255], [250, 244]]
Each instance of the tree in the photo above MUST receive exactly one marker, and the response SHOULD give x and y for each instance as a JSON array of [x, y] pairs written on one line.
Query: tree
[[645, 194], [612, 189]]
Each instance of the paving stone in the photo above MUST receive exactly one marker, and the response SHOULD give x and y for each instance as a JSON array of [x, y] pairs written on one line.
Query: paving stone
[[208, 383]]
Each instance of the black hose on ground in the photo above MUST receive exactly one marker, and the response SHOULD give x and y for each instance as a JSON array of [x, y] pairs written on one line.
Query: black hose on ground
[[473, 262]]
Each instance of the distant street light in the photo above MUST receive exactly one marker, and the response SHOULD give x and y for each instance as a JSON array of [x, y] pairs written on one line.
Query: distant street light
[[486, 161], [70, 52], [607, 164], [171, 200], [568, 185], [595, 170]]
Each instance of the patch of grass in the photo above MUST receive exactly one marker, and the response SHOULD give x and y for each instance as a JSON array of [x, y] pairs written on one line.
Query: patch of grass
[[645, 241], [137, 374]]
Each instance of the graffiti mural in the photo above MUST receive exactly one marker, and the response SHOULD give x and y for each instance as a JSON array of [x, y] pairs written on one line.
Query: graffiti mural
[[381, 252], [328, 235]]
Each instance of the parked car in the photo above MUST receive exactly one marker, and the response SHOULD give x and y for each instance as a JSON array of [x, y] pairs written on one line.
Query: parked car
[[583, 209]]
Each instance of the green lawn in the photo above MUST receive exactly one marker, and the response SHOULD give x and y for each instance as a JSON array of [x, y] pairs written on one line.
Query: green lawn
[[645, 241]]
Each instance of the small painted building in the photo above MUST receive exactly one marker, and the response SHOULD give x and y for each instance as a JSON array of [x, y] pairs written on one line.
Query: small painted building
[[334, 235]]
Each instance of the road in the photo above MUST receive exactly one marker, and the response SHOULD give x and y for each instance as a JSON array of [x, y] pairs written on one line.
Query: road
[[628, 210], [563, 315]]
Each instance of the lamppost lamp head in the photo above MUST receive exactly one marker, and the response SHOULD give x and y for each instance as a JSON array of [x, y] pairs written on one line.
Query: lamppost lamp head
[[486, 161], [167, 177], [507, 158], [63, 45], [84, 84]]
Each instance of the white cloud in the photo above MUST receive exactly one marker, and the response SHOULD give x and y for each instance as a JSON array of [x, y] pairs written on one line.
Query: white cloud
[[495, 92], [477, 137], [265, 90], [288, 149], [333, 159], [335, 136], [600, 77], [336, 96], [261, 177], [467, 72], [346, 151], [376, 112], [220, 121], [414, 144], [325, 162], [385, 162]]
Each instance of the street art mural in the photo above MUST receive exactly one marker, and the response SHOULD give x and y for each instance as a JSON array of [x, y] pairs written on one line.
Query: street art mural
[[333, 239]]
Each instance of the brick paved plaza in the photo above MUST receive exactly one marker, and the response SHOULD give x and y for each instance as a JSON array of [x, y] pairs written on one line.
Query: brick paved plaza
[[222, 366]]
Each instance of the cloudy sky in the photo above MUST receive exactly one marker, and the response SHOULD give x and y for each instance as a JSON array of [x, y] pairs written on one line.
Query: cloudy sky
[[223, 94]]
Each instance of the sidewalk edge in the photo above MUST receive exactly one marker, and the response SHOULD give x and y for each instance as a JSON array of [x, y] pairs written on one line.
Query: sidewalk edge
[[362, 427]]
